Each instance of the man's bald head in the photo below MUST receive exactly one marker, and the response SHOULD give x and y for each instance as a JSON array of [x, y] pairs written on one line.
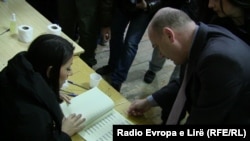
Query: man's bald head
[[172, 32], [169, 17]]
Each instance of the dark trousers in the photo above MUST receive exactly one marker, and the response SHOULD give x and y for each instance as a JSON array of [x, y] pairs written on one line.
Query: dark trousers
[[80, 17]]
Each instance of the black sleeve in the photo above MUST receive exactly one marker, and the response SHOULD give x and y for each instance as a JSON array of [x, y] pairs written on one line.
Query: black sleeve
[[154, 5], [165, 97], [61, 136], [105, 13]]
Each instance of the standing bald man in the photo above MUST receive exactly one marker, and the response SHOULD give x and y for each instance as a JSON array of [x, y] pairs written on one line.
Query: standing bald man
[[218, 76]]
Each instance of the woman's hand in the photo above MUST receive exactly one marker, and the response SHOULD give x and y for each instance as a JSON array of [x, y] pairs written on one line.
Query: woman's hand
[[72, 124], [65, 97]]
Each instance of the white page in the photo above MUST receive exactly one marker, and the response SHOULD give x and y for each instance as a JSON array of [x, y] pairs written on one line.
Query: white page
[[91, 104], [102, 129]]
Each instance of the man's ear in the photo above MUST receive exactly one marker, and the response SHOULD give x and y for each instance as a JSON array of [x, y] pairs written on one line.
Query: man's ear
[[169, 33], [48, 71]]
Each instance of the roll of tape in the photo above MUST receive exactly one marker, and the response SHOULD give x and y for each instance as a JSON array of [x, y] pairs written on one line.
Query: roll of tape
[[25, 33], [54, 29]]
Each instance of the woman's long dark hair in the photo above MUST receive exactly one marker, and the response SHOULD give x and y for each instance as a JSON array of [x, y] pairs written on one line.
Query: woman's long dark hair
[[245, 5], [50, 50], [207, 15]]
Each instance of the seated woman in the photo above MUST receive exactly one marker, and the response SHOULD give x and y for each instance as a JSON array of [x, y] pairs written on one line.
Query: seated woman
[[30, 98]]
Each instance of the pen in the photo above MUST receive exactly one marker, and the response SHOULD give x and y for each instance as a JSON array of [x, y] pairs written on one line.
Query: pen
[[7, 30], [77, 85], [72, 95], [69, 93]]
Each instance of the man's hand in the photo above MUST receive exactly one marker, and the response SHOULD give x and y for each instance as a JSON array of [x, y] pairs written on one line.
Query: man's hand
[[106, 33], [139, 107]]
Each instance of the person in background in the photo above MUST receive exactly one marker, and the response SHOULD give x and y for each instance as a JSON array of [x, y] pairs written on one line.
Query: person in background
[[130, 20], [233, 15], [217, 84], [48, 8], [85, 18], [105, 19], [30, 98]]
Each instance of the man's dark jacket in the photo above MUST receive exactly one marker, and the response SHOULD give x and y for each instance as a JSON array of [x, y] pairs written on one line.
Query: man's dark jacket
[[218, 80]]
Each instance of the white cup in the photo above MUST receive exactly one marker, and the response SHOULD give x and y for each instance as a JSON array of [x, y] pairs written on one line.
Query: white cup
[[95, 79]]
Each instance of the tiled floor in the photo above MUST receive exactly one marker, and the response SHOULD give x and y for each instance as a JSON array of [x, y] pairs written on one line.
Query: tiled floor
[[134, 87]]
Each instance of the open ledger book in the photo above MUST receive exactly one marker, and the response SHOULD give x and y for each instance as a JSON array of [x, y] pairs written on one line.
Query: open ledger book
[[98, 109]]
